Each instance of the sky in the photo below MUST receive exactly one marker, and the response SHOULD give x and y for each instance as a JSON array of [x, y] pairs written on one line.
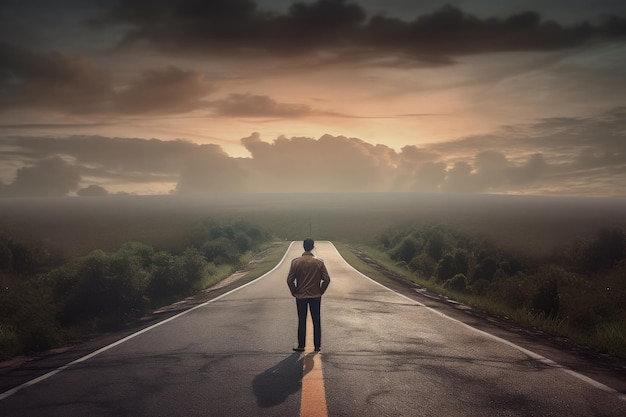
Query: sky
[[234, 96]]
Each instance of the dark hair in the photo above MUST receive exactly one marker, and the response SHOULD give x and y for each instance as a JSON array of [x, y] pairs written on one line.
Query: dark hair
[[308, 244]]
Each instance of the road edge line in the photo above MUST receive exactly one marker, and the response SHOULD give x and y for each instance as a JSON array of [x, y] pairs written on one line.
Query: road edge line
[[45, 376], [533, 355]]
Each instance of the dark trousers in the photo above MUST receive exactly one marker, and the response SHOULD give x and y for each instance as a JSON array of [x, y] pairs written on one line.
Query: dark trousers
[[314, 304]]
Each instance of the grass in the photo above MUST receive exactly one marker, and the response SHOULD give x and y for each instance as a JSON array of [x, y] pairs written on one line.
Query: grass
[[609, 339], [258, 264], [73, 227], [358, 264], [221, 272]]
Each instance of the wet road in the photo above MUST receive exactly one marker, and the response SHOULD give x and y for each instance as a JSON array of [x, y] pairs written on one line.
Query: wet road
[[382, 355]]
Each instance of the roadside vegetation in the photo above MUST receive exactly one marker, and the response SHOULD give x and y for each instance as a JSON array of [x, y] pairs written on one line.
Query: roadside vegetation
[[45, 302], [73, 267], [577, 292]]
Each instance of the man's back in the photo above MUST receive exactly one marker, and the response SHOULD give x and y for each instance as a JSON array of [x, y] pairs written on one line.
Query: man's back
[[308, 276], [308, 280]]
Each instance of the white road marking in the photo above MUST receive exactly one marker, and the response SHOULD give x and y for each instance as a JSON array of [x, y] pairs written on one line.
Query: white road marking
[[527, 352], [32, 382]]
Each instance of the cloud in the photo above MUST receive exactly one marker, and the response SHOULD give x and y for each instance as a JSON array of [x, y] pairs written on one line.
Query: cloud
[[92, 191], [50, 177], [196, 168], [69, 84], [452, 32], [330, 164], [222, 25], [51, 80], [168, 90], [248, 105], [343, 27], [552, 156], [211, 171], [427, 177], [125, 157], [493, 172], [66, 84]]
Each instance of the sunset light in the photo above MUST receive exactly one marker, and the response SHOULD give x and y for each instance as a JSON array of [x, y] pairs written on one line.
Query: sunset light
[[355, 208], [430, 86]]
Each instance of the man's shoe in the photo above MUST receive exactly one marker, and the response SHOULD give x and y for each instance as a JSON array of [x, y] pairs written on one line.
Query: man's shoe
[[317, 349], [298, 349]]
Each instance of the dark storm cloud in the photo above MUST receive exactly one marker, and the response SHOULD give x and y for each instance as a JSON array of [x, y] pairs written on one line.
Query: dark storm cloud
[[62, 83], [59, 82], [168, 90], [224, 24], [451, 32], [51, 79], [37, 22], [241, 26]]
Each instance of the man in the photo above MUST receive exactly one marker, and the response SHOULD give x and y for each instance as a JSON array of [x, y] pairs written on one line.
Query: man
[[308, 280]]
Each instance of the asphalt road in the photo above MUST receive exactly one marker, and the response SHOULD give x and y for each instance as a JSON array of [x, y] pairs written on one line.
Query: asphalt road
[[383, 354]]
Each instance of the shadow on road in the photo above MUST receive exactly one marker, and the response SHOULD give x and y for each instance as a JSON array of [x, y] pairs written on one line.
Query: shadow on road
[[273, 386]]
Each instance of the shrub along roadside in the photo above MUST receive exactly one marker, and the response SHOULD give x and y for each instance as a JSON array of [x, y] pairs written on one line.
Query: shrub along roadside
[[104, 290], [578, 293]]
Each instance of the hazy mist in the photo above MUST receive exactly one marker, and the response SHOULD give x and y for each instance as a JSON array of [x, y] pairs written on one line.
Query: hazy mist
[[533, 225]]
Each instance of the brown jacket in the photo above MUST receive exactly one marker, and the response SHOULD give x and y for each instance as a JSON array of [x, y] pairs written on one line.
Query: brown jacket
[[308, 277]]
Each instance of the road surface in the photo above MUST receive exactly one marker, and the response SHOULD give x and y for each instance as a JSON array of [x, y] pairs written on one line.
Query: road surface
[[383, 354]]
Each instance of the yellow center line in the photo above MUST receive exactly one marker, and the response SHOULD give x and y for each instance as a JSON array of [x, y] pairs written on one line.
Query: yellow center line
[[313, 402]]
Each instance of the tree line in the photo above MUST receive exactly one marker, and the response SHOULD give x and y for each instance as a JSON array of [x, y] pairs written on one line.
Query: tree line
[[578, 290], [45, 301]]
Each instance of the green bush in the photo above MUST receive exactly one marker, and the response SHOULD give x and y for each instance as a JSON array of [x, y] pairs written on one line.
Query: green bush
[[9, 342], [27, 317], [406, 250], [225, 244], [457, 283], [480, 287], [443, 252], [604, 251], [445, 268], [164, 284], [175, 277], [575, 293], [220, 251], [43, 303], [107, 287], [423, 265]]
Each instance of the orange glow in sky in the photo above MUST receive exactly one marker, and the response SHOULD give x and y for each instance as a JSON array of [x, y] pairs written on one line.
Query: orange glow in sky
[[477, 97]]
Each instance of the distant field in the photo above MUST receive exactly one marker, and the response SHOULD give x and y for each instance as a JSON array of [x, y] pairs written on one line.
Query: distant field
[[77, 225]]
